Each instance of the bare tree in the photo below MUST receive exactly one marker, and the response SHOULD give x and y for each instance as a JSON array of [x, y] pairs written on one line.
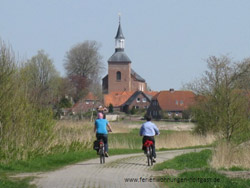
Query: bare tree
[[84, 62]]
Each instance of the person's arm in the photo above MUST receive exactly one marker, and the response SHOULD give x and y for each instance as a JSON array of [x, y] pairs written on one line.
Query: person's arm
[[109, 127], [141, 130], [157, 132]]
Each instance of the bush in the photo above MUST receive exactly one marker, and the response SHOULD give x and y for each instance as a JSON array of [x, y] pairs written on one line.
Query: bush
[[25, 128]]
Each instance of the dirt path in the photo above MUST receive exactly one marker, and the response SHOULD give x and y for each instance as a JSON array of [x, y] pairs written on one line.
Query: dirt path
[[91, 174]]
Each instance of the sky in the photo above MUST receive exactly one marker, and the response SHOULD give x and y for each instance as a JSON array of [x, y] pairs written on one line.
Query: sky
[[168, 41]]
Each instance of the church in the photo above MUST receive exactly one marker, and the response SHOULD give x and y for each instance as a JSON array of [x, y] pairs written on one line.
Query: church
[[121, 77], [125, 89]]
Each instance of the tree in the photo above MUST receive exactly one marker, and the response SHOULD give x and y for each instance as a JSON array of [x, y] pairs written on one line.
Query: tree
[[83, 65], [42, 79], [221, 105]]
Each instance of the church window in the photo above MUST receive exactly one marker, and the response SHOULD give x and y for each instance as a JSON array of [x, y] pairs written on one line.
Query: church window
[[118, 76]]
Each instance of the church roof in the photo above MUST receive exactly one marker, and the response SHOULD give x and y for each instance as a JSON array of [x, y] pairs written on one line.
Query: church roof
[[137, 76], [119, 56], [119, 34]]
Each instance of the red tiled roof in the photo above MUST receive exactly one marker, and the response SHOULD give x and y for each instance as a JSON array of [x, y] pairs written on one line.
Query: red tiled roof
[[117, 98], [175, 100], [81, 104], [152, 93]]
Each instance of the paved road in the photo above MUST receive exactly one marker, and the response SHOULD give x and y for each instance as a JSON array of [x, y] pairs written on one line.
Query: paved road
[[91, 174]]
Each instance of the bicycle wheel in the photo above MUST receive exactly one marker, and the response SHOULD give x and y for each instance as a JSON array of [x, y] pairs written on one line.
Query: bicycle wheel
[[151, 155], [148, 156], [102, 155]]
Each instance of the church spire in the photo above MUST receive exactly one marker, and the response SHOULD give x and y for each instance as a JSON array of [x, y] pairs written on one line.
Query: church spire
[[119, 38]]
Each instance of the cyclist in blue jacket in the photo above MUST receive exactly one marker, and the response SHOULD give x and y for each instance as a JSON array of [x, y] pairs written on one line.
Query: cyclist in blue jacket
[[148, 131], [101, 131]]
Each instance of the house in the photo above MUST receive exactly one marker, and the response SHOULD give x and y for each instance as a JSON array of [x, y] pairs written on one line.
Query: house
[[121, 77], [125, 101], [88, 103], [139, 100], [172, 103], [117, 99]]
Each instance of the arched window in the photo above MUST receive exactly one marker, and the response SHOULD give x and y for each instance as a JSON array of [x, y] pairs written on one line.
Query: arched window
[[118, 76]]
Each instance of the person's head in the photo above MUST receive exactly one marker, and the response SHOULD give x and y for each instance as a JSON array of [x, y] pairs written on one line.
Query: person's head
[[100, 115], [148, 117]]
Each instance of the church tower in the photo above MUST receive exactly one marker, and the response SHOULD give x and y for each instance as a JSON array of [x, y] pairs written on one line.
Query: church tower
[[119, 65], [121, 77]]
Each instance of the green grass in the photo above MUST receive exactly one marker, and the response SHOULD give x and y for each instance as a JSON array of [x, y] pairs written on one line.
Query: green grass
[[189, 160], [8, 183], [49, 162], [235, 168], [205, 179]]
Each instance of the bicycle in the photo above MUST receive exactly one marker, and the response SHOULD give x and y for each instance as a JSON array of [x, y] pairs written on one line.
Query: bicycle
[[101, 151], [149, 152]]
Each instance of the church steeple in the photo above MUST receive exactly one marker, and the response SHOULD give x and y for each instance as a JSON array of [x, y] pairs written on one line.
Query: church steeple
[[119, 38]]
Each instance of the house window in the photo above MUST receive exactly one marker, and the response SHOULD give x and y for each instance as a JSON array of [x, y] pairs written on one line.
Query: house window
[[118, 76], [176, 102], [145, 107], [136, 107], [138, 99], [87, 102], [144, 100], [181, 102]]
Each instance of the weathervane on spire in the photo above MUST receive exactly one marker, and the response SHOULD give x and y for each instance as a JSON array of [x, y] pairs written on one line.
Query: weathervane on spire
[[119, 14]]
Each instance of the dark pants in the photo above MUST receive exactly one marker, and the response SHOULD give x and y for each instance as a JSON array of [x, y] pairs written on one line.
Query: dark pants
[[104, 137], [151, 138]]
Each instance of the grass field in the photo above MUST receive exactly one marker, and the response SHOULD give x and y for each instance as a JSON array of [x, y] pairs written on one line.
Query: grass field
[[229, 156], [189, 160], [206, 177]]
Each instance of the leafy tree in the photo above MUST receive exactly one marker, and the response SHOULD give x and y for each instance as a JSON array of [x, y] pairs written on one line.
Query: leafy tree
[[42, 79], [65, 103], [222, 105]]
